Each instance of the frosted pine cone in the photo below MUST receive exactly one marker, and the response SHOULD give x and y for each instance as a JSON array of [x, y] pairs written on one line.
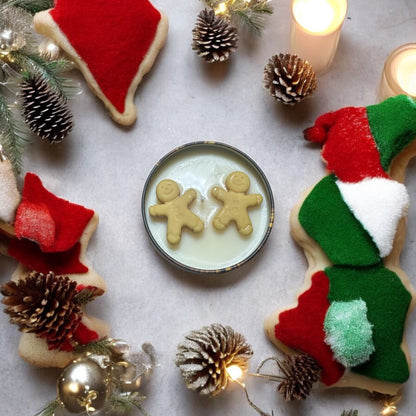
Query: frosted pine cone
[[213, 37], [205, 355], [45, 112], [45, 306], [289, 78]]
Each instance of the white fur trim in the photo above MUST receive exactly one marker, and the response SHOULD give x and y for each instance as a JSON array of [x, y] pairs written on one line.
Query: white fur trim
[[378, 203], [9, 195]]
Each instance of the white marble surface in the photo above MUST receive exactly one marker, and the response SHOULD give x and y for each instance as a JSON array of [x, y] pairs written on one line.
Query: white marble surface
[[104, 167]]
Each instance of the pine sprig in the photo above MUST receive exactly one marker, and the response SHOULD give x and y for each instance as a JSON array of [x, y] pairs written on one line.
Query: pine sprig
[[104, 346], [12, 136], [246, 14], [49, 409], [87, 295], [31, 6], [349, 413], [49, 71], [122, 403]]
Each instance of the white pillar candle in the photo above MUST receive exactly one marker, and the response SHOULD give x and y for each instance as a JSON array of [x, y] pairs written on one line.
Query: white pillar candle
[[315, 30], [399, 73]]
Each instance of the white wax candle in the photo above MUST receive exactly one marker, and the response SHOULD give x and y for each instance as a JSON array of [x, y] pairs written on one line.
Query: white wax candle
[[202, 167], [315, 30], [399, 73]]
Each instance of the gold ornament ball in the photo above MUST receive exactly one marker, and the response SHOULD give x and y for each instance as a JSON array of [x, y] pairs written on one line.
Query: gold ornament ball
[[83, 386]]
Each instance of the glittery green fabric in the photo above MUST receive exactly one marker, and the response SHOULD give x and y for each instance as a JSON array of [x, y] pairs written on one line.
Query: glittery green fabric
[[327, 219], [387, 303], [348, 332], [393, 126]]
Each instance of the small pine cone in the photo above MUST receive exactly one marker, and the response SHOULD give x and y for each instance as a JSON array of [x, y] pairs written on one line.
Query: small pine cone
[[289, 79], [45, 112], [45, 306], [213, 37], [301, 372], [205, 355]]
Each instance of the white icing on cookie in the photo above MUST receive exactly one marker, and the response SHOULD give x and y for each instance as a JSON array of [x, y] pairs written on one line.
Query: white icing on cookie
[[378, 204]]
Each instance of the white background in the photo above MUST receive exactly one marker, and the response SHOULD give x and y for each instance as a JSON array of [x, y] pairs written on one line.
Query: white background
[[104, 166]]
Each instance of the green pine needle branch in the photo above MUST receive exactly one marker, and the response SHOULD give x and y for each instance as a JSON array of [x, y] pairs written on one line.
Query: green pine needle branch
[[49, 409], [103, 346], [349, 413], [49, 71], [12, 136], [31, 6], [250, 15], [122, 403]]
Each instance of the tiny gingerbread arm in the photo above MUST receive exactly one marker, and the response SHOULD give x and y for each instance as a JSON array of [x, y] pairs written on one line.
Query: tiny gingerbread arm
[[254, 199], [218, 193], [189, 195], [157, 210]]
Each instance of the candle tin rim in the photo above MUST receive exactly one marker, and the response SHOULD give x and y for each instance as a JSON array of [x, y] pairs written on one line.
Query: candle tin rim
[[390, 80], [160, 249], [329, 31]]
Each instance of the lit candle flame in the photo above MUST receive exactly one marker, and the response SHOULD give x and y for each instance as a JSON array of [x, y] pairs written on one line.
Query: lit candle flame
[[314, 15]]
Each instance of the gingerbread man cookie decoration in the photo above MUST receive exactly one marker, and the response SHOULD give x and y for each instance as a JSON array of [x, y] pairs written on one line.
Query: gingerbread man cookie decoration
[[175, 208], [236, 203]]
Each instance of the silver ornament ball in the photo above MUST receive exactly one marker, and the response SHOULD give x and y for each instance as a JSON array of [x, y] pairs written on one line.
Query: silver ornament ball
[[83, 386], [10, 41]]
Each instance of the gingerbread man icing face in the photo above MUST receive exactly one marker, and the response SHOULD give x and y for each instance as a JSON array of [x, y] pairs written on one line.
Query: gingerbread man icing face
[[235, 203], [175, 208]]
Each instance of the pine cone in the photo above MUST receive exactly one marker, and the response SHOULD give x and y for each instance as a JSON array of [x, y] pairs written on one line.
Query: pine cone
[[204, 356], [45, 306], [213, 37], [45, 112], [301, 372], [289, 79]]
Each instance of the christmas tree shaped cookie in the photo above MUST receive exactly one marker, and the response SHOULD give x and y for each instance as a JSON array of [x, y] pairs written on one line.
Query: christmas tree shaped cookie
[[351, 315], [113, 43]]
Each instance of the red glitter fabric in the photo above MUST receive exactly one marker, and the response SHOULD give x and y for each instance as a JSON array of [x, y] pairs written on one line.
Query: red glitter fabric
[[40, 208], [112, 37], [302, 328], [348, 145]]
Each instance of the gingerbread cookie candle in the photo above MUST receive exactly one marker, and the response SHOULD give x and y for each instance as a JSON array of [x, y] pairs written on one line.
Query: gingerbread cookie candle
[[351, 316], [175, 208], [235, 203]]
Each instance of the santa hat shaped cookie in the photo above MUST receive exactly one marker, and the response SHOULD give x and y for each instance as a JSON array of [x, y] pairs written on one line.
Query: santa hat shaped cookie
[[113, 43]]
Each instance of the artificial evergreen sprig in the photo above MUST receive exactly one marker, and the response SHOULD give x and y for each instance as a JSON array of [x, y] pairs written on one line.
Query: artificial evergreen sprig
[[19, 62], [349, 413], [49, 409], [12, 135], [121, 403], [50, 71], [249, 14], [31, 6], [104, 346]]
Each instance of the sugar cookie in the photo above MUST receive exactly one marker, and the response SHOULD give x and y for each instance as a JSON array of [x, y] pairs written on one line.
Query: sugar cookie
[[114, 44], [235, 203], [351, 313], [175, 208], [50, 235]]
